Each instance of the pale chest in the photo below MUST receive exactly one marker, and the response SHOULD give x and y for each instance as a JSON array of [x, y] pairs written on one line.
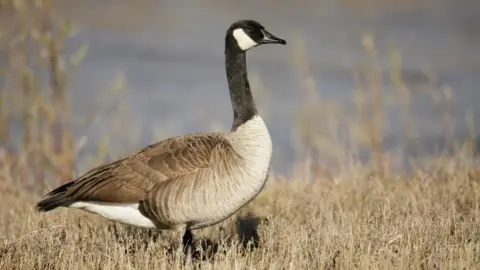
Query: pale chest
[[243, 183]]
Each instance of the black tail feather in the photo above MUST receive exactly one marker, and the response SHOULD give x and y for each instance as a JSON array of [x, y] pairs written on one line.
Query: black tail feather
[[55, 198]]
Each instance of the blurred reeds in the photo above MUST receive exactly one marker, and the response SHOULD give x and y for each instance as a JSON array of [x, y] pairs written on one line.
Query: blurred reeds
[[36, 128], [334, 212]]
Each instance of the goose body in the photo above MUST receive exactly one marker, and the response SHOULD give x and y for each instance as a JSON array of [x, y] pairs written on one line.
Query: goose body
[[201, 204], [191, 181]]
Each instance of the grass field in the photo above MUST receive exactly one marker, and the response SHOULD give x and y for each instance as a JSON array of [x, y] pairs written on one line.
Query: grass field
[[355, 216], [357, 220]]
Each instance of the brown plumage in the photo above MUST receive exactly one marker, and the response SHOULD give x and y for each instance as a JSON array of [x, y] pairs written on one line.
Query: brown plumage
[[148, 176], [134, 176], [190, 181]]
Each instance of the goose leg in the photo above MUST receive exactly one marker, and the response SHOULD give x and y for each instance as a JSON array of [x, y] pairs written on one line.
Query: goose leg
[[187, 238], [178, 237], [183, 240], [187, 242]]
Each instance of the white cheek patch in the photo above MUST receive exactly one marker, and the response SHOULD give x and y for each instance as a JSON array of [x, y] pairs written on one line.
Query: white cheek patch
[[243, 40]]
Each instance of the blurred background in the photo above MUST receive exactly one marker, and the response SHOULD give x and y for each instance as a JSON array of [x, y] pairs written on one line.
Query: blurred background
[[392, 83]]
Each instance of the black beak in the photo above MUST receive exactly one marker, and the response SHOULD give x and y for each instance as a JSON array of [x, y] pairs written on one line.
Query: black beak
[[271, 39]]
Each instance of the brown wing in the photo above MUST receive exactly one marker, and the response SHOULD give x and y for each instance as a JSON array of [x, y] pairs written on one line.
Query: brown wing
[[128, 179]]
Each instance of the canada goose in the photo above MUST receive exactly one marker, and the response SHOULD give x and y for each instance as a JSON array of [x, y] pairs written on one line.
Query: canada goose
[[191, 181]]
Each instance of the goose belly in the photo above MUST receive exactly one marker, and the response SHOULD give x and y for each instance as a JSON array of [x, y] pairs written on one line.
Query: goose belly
[[218, 206]]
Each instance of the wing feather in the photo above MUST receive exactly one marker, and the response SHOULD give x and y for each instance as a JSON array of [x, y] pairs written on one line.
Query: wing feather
[[129, 179]]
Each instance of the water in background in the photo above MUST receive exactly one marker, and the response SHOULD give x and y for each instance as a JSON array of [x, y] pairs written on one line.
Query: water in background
[[171, 53]]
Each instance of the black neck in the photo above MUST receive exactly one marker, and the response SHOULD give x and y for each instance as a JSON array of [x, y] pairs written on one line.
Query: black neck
[[243, 105]]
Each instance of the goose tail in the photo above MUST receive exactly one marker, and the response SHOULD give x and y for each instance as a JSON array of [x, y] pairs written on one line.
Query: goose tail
[[55, 198]]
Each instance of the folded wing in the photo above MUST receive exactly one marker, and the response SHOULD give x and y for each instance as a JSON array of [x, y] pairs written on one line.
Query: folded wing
[[129, 179]]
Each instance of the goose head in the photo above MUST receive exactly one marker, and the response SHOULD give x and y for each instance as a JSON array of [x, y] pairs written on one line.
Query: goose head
[[246, 34]]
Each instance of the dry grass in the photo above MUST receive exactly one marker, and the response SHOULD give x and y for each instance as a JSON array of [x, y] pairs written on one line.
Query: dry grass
[[357, 220], [347, 216]]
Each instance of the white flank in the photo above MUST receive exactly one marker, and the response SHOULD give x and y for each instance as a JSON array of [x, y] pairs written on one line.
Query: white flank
[[126, 213], [244, 41]]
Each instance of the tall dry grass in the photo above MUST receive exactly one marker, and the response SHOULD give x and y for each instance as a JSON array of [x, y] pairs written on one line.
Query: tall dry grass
[[348, 215], [357, 220]]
